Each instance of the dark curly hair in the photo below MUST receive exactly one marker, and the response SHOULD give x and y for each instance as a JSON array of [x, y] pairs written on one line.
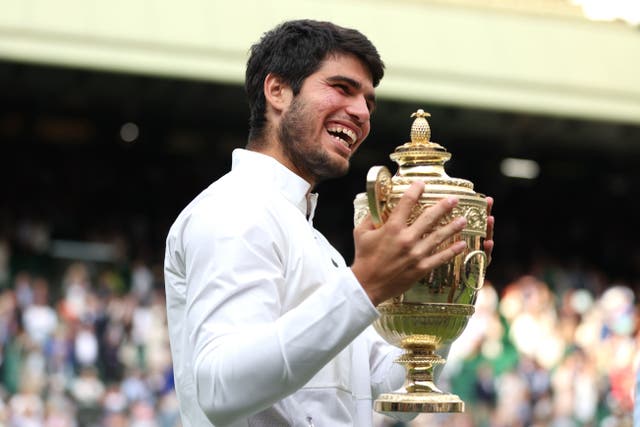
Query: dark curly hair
[[294, 50]]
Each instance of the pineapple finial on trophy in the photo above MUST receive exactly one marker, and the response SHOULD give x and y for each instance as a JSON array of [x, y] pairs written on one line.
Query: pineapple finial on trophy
[[420, 130]]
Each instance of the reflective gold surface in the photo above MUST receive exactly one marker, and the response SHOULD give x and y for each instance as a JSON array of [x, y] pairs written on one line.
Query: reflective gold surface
[[436, 309]]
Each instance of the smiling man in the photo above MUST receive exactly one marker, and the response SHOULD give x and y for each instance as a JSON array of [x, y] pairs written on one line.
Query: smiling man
[[322, 125], [268, 325]]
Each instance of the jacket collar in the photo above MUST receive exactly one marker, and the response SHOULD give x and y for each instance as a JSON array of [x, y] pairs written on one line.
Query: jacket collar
[[268, 170]]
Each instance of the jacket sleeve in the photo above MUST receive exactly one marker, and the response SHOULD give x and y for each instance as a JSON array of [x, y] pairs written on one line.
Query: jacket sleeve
[[386, 375], [247, 352]]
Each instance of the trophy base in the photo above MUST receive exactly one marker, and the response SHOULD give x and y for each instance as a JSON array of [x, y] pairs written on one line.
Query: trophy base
[[429, 402]]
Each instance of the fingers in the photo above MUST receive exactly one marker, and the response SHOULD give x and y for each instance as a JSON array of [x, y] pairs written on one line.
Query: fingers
[[488, 241], [426, 233], [433, 240], [442, 257], [430, 218], [489, 204], [402, 211], [490, 225], [365, 224], [488, 249], [490, 219]]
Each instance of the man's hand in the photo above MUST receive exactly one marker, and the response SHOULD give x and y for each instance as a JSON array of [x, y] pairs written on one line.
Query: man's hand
[[491, 221], [389, 259]]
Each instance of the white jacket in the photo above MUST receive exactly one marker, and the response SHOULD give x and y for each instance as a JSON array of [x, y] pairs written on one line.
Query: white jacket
[[268, 326]]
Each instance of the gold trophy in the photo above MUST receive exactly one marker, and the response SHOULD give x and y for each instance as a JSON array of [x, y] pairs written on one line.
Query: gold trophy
[[436, 309]]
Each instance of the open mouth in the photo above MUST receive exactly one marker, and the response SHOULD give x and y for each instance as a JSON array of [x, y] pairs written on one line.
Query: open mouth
[[345, 135]]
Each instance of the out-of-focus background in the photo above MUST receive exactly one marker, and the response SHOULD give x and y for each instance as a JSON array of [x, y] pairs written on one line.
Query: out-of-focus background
[[113, 115]]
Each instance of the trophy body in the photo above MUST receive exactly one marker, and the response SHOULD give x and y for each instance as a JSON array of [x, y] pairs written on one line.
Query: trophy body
[[436, 309]]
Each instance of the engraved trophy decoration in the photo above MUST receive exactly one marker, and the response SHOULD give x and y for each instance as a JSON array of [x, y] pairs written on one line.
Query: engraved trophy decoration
[[436, 309]]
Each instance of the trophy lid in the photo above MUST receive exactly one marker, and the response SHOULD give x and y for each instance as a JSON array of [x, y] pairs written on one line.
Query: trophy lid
[[424, 159], [420, 150]]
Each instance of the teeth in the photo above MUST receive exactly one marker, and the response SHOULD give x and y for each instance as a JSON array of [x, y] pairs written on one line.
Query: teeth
[[351, 135]]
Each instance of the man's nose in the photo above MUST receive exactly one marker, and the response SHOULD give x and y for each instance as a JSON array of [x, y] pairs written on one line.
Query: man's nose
[[359, 109]]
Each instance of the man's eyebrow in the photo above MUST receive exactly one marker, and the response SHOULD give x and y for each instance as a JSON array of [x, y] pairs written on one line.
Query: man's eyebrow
[[371, 97], [351, 82]]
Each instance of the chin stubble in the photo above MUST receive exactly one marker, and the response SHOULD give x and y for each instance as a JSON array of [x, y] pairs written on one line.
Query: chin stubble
[[308, 156]]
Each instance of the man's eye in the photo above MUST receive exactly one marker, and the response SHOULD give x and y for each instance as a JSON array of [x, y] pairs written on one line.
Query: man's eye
[[342, 88]]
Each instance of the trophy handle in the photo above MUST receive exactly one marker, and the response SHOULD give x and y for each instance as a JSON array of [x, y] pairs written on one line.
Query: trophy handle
[[475, 265], [378, 190]]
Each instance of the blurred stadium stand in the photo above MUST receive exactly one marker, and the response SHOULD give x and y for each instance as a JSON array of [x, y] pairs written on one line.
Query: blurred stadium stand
[[98, 161]]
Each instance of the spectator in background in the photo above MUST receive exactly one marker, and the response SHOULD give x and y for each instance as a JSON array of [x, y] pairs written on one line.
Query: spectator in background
[[141, 281], [27, 407], [85, 345], [636, 407], [9, 330], [76, 285], [88, 391], [39, 318], [23, 289], [5, 256]]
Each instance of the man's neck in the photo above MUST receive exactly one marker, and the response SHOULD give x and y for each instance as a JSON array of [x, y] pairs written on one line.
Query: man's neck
[[274, 149]]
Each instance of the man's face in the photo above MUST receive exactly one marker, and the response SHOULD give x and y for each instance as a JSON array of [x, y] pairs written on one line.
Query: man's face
[[328, 120]]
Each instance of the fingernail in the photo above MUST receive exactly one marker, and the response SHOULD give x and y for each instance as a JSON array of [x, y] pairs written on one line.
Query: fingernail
[[452, 201], [459, 246], [461, 221]]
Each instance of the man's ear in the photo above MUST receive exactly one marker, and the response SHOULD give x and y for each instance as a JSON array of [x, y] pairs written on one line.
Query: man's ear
[[277, 93]]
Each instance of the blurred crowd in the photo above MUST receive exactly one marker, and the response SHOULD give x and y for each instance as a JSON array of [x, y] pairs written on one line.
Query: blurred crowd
[[86, 349], [558, 348], [88, 346]]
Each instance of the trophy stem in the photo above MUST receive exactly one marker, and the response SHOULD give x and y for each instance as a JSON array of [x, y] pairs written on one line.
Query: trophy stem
[[420, 363], [420, 393]]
